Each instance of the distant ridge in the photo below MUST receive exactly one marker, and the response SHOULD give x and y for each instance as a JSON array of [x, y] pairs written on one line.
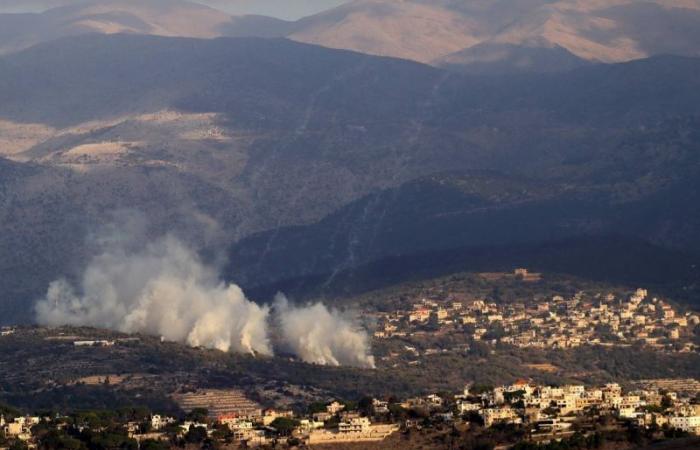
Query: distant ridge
[[427, 31], [476, 36], [490, 58], [177, 18]]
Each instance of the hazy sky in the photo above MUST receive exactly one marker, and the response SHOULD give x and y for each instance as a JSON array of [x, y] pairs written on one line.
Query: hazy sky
[[284, 9]]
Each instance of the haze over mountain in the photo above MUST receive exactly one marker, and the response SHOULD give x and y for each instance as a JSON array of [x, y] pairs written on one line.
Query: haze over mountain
[[478, 35], [157, 17], [281, 9], [302, 159], [437, 31]]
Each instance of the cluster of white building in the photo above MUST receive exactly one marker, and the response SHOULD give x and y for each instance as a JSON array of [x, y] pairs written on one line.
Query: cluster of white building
[[555, 406], [251, 427], [545, 408], [553, 323], [19, 428], [351, 426]]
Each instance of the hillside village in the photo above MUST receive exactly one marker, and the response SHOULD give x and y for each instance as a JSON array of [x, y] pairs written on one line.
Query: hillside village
[[536, 413], [537, 410], [555, 322]]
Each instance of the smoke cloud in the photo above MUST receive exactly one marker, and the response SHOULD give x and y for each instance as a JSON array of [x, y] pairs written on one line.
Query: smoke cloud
[[163, 288], [322, 336]]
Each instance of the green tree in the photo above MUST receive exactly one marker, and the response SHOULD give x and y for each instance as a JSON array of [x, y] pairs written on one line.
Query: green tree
[[666, 402], [316, 407], [152, 444], [18, 445], [366, 405], [112, 441], [398, 412], [55, 439], [196, 435], [284, 425], [198, 415]]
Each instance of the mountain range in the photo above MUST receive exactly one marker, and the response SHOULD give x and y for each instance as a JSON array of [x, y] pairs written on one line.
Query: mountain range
[[472, 35], [290, 160], [302, 159]]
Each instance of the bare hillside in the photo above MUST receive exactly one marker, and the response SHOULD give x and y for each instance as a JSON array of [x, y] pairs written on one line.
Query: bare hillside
[[440, 31]]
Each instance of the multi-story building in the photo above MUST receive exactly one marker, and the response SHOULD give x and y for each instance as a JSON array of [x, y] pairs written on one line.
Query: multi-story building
[[689, 424]]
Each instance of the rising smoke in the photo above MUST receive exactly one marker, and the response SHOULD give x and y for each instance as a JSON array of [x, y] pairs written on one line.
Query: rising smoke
[[321, 336], [162, 288]]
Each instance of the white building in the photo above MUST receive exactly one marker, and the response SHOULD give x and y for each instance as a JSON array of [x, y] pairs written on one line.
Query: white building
[[335, 408], [465, 407], [689, 424], [553, 425], [355, 425], [185, 427], [380, 406], [20, 428], [159, 422], [493, 415]]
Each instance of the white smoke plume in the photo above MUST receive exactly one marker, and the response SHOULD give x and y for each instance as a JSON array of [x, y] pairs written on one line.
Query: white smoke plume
[[162, 288], [322, 336]]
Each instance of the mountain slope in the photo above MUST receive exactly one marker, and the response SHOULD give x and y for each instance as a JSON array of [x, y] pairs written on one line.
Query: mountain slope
[[269, 83], [155, 17], [481, 36], [477, 212], [283, 9], [491, 58], [407, 30], [198, 134], [428, 31], [228, 139]]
